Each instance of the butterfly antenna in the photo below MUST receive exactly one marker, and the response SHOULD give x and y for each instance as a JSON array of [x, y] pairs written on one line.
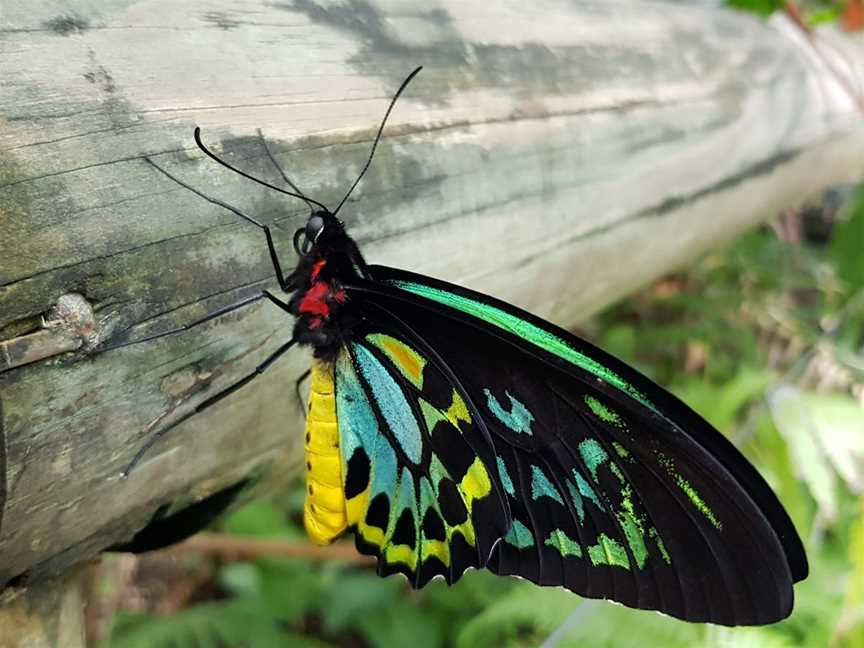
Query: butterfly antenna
[[210, 154], [282, 171], [378, 136]]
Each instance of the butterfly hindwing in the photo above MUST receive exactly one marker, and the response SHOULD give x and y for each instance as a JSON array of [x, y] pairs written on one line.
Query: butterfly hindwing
[[418, 494], [613, 488]]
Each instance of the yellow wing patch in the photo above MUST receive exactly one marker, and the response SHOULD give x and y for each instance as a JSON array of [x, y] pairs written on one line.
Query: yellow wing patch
[[409, 363], [457, 411], [436, 548], [475, 484]]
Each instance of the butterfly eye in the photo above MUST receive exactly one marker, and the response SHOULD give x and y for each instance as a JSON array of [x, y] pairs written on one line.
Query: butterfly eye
[[314, 227], [309, 234]]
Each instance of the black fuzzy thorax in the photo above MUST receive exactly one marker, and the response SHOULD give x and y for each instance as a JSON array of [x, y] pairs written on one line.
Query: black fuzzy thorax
[[321, 276]]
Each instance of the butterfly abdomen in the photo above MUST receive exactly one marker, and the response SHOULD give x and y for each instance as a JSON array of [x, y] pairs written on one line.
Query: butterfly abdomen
[[324, 513]]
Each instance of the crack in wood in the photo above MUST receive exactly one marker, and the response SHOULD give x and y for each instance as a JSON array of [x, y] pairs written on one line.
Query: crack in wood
[[131, 158], [105, 257]]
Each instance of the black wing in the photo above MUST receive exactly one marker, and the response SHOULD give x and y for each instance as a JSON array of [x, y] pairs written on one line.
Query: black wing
[[615, 488]]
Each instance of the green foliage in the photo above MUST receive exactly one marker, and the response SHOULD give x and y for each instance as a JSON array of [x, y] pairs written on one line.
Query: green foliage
[[824, 15], [792, 416], [523, 616], [207, 625], [610, 626], [814, 12], [738, 338], [760, 7], [723, 407], [261, 518], [852, 635], [847, 246], [281, 602]]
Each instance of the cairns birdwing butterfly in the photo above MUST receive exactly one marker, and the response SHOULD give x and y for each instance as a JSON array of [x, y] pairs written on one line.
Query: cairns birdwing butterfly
[[447, 429]]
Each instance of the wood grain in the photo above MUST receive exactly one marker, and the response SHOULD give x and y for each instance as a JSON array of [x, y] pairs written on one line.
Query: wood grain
[[554, 154], [44, 615]]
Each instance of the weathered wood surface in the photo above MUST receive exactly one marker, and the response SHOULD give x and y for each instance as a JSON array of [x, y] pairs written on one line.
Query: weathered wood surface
[[44, 615], [557, 155]]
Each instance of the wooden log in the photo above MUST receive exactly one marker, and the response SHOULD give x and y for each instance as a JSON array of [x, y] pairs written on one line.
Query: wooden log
[[555, 155], [46, 614]]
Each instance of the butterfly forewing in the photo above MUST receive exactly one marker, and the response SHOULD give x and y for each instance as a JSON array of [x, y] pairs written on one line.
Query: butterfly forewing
[[579, 359], [606, 494]]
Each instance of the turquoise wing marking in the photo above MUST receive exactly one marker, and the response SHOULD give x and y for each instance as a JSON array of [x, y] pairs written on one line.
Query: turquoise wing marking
[[392, 402], [415, 491]]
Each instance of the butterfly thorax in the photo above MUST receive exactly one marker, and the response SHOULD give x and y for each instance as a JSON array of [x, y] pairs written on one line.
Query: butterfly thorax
[[320, 302]]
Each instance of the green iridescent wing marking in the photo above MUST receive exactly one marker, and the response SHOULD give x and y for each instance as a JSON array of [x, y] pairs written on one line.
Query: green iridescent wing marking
[[601, 480], [525, 329]]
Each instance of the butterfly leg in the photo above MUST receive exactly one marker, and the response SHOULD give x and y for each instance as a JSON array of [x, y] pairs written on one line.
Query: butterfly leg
[[217, 313], [297, 393], [286, 283], [215, 398]]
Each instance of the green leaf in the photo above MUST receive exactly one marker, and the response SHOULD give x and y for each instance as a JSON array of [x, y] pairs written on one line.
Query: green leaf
[[719, 637], [259, 518], [613, 626], [771, 453], [824, 15], [357, 595], [241, 579], [621, 340], [793, 418], [289, 589], [760, 7], [721, 404], [402, 625], [526, 612], [818, 599], [207, 625], [838, 420], [851, 629], [847, 244]]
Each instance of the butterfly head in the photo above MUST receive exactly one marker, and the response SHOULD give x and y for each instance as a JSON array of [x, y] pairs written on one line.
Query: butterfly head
[[322, 229]]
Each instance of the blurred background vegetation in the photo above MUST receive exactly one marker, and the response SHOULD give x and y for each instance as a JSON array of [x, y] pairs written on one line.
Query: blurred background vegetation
[[764, 338]]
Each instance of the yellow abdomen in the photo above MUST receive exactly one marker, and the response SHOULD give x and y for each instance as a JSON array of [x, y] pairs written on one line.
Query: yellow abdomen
[[324, 514]]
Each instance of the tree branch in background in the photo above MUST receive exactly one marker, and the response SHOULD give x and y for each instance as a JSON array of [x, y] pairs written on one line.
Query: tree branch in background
[[239, 548]]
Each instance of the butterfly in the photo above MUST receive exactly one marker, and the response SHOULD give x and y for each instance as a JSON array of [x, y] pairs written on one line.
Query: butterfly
[[449, 430]]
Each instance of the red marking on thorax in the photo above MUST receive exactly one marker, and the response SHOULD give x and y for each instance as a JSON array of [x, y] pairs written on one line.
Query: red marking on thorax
[[316, 268], [314, 302]]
